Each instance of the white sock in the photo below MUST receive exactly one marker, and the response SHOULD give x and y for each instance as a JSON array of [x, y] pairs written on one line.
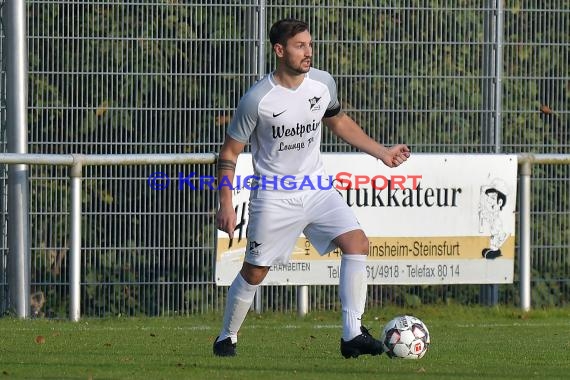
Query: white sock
[[240, 297], [352, 288]]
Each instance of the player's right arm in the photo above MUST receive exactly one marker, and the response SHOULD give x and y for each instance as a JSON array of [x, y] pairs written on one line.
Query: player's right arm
[[226, 217], [237, 135]]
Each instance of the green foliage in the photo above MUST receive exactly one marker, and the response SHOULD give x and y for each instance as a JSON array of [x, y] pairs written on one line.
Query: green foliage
[[157, 77]]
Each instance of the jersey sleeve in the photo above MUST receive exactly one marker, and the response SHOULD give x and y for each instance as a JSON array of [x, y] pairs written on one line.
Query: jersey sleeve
[[245, 119], [324, 77], [334, 105]]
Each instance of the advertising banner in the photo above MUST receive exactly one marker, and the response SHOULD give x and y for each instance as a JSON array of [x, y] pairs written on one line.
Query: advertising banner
[[436, 219]]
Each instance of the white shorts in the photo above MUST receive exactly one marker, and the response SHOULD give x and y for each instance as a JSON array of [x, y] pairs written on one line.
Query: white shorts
[[275, 225]]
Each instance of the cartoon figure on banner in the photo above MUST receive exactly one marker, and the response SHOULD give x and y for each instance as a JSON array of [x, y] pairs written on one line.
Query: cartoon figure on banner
[[493, 199]]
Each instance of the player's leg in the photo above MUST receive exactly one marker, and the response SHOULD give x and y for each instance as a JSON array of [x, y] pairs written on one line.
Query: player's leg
[[240, 296], [273, 229], [334, 225], [352, 283]]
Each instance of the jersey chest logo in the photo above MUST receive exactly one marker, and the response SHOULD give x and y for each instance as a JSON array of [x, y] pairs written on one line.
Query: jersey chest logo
[[314, 104]]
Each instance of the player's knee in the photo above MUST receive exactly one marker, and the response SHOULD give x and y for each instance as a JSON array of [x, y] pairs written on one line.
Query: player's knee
[[353, 242], [253, 274], [363, 244], [359, 244]]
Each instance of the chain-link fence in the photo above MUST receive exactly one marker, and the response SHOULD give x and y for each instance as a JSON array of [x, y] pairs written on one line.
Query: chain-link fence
[[111, 77]]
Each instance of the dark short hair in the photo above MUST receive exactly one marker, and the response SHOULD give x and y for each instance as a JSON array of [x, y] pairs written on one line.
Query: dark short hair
[[500, 196], [284, 29]]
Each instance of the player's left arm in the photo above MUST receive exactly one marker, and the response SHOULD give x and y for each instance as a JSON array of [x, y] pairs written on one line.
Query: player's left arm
[[348, 130]]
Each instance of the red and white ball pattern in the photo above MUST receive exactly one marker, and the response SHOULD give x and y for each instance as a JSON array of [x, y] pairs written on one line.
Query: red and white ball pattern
[[405, 337]]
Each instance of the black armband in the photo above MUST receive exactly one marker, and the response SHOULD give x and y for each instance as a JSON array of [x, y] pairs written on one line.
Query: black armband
[[332, 112], [226, 165]]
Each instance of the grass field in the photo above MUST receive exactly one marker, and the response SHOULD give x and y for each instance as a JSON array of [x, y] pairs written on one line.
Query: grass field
[[467, 343]]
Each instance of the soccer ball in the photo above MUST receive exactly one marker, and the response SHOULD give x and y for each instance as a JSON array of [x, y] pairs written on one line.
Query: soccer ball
[[405, 337]]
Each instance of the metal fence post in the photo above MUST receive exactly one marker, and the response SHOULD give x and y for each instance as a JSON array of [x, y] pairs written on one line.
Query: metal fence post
[[499, 14], [524, 221], [492, 125], [17, 142], [261, 38], [258, 32], [302, 300], [75, 242]]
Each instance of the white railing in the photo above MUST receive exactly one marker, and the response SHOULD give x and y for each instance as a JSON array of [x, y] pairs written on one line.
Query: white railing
[[78, 161], [525, 162]]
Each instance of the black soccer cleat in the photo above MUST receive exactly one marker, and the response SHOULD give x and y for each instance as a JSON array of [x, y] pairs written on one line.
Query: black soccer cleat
[[224, 347], [363, 344]]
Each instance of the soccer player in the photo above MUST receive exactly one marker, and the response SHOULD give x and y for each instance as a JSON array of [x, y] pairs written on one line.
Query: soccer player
[[282, 116]]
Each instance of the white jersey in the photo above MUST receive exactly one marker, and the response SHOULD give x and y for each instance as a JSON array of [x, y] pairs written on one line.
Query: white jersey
[[284, 128]]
